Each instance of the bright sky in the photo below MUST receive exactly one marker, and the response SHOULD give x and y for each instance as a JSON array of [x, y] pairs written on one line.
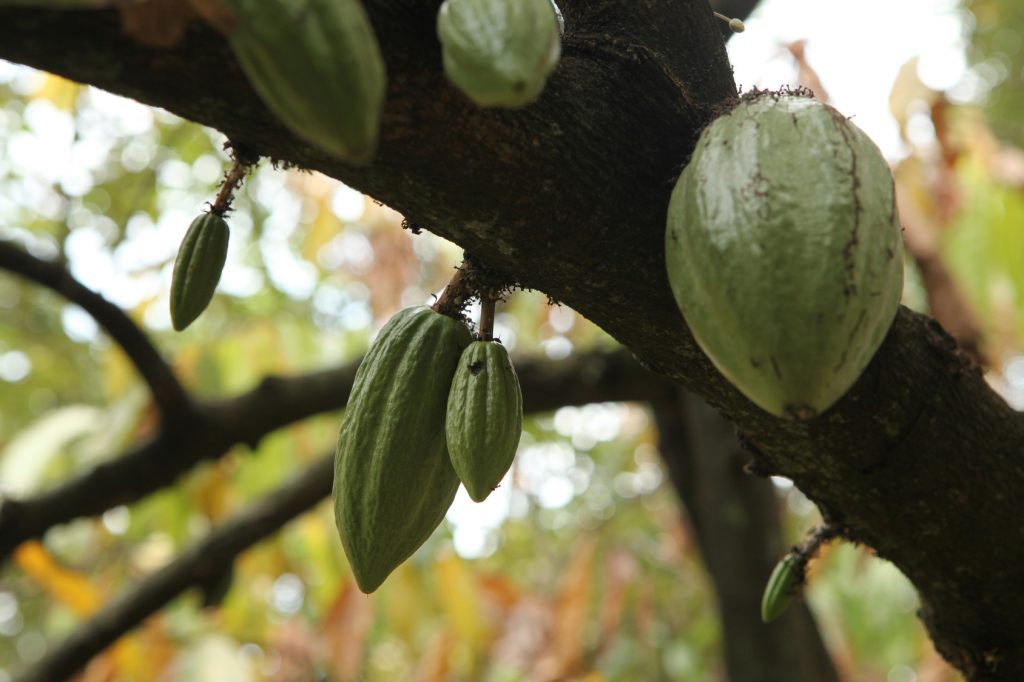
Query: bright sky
[[856, 48]]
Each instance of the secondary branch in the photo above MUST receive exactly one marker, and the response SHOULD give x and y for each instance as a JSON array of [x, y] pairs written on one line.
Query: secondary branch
[[167, 392], [596, 376]]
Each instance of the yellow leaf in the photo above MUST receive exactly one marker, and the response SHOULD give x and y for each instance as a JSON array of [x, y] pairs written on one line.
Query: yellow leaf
[[461, 601], [322, 230], [403, 603], [60, 92], [66, 586]]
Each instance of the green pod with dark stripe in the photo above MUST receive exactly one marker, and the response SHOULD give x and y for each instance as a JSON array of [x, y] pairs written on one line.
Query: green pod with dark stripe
[[317, 66], [783, 249], [783, 585], [393, 478], [197, 268], [484, 418]]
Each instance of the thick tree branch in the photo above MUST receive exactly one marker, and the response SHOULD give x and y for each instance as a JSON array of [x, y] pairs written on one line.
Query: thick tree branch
[[170, 397], [216, 427], [920, 460], [196, 566]]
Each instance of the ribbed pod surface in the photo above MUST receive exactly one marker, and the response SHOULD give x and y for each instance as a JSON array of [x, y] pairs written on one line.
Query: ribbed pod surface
[[197, 268], [317, 66], [393, 480], [499, 52], [484, 418], [784, 253]]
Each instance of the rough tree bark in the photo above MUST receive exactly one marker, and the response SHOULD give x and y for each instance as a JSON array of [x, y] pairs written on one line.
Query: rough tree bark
[[921, 460]]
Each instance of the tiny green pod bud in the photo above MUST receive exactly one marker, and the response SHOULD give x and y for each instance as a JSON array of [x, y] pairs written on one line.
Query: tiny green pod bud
[[782, 586], [197, 268]]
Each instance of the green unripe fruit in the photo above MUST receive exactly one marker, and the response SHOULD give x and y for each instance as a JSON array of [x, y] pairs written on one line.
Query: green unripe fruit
[[499, 52], [484, 418], [317, 66], [783, 251], [197, 268], [393, 479], [783, 585]]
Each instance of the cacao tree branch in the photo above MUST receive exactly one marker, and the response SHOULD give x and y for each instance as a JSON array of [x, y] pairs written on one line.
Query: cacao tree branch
[[569, 196], [216, 427], [170, 397]]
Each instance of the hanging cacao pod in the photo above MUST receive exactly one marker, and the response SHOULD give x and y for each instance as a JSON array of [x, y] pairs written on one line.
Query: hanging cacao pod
[[484, 417], [783, 251], [197, 268], [317, 66], [393, 478], [499, 52]]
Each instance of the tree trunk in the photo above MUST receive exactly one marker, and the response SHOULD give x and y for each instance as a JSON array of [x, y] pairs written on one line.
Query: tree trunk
[[921, 460], [735, 519]]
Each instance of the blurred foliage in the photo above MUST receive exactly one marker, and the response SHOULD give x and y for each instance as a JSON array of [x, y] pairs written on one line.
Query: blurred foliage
[[579, 567], [997, 52]]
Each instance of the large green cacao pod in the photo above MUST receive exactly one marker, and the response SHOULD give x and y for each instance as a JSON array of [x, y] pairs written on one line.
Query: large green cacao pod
[[393, 479], [499, 52], [197, 268], [784, 253], [485, 417], [317, 66]]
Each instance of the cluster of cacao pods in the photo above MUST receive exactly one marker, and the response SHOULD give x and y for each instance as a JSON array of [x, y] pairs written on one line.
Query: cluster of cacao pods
[[784, 252], [429, 406]]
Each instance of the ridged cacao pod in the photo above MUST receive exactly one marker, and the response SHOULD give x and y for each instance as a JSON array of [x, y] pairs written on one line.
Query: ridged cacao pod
[[784, 253], [499, 52], [485, 417], [393, 479], [197, 268], [317, 66], [783, 585]]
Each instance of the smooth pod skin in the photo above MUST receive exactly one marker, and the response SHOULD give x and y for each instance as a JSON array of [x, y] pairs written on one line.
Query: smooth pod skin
[[499, 52], [783, 585], [317, 66], [393, 479], [484, 418], [197, 268], [784, 252]]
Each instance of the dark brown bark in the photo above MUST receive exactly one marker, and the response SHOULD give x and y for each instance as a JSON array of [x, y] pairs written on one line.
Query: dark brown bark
[[921, 460], [735, 519]]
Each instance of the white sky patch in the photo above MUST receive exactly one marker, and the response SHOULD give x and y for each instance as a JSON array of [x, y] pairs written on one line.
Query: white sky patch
[[856, 50]]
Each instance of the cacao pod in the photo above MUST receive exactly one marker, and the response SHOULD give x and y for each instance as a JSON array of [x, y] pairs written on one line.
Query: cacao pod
[[784, 253], [485, 417], [393, 479], [317, 66], [783, 585], [197, 268], [499, 52]]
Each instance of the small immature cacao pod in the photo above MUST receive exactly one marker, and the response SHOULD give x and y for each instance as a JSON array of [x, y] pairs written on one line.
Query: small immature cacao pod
[[485, 417], [783, 585], [784, 252], [393, 479], [499, 52], [197, 268], [317, 66]]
